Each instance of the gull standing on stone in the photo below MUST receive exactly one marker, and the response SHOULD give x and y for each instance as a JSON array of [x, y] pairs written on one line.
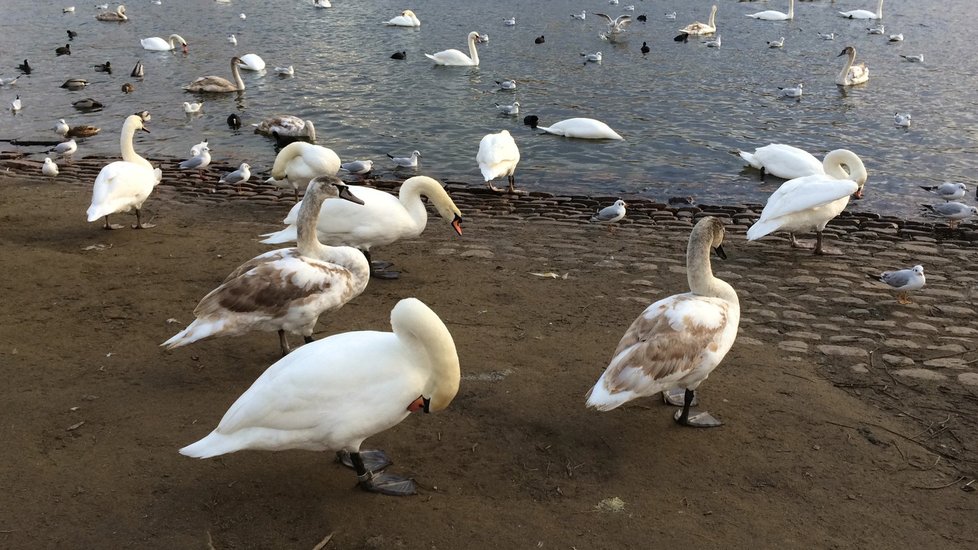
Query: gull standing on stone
[[610, 214], [50, 169], [199, 161], [239, 176], [903, 281], [955, 212]]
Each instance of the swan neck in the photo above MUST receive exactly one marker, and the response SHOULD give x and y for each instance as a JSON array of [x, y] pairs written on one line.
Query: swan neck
[[236, 73], [307, 239], [879, 10], [422, 331], [791, 9], [844, 74], [126, 145], [713, 16], [473, 52]]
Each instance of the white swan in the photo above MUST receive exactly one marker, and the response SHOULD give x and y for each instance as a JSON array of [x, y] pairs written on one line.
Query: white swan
[[118, 15], [698, 28], [333, 394], [772, 15], [286, 125], [125, 184], [216, 84], [252, 62], [322, 4], [582, 128], [381, 220], [456, 58], [157, 44], [406, 19], [783, 161], [300, 162], [498, 156], [864, 14], [810, 202], [677, 341], [851, 75], [284, 290]]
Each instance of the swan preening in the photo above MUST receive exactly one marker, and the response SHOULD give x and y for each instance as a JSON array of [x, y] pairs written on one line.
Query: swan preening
[[406, 19], [809, 203], [332, 394], [497, 157], [287, 126], [252, 62], [118, 15], [382, 219], [903, 281], [216, 84], [284, 290], [783, 161], [456, 58], [124, 185], [864, 14], [157, 44], [850, 75], [772, 15], [677, 341], [698, 28], [581, 128]]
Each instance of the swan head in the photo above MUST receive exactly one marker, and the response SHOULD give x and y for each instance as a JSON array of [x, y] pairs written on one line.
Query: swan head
[[330, 187], [531, 121], [849, 50], [708, 233], [418, 326], [408, 13], [834, 161], [134, 123]]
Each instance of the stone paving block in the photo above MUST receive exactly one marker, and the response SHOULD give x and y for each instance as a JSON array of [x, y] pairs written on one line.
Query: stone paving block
[[923, 374], [842, 351]]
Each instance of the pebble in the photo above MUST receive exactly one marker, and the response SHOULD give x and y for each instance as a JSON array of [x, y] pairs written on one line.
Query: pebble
[[898, 360], [968, 378]]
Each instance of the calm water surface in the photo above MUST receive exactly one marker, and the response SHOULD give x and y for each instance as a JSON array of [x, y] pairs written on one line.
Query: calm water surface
[[683, 109]]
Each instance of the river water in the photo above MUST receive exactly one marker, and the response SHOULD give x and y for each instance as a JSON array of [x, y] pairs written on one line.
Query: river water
[[684, 109]]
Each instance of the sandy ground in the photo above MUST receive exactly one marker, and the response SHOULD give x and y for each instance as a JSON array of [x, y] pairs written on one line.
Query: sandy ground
[[94, 412]]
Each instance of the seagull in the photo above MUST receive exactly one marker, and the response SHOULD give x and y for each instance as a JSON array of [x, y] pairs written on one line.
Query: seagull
[[233, 39], [895, 37], [15, 105], [878, 29], [779, 43], [65, 148], [62, 127], [239, 176], [199, 161], [196, 149], [192, 108], [913, 58], [901, 119], [948, 191], [406, 162], [630, 7], [507, 84], [792, 92], [50, 169], [592, 57], [358, 167], [399, 55], [8, 81], [511, 110], [953, 211], [69, 9], [511, 22], [243, 16], [610, 214], [285, 71], [580, 16], [483, 38], [618, 24], [612, 2], [903, 281], [715, 43], [671, 16]]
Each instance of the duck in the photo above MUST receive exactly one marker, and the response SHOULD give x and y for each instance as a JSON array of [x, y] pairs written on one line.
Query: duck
[[24, 67], [610, 214], [332, 394], [678, 341], [698, 28], [864, 14], [81, 131], [124, 185], [792, 92], [252, 62], [137, 70], [406, 162], [358, 167], [406, 19], [65, 50], [456, 58], [87, 104], [512, 109], [903, 281], [286, 126], [300, 162], [199, 161], [851, 75], [237, 177], [74, 84], [949, 191], [119, 15], [497, 157], [192, 108], [901, 119], [216, 84], [65, 149], [383, 219], [772, 15], [783, 161], [72, 34], [284, 290], [128, 88], [810, 202], [285, 71], [49, 168], [779, 43], [399, 55], [581, 128], [103, 67], [954, 212], [157, 44]]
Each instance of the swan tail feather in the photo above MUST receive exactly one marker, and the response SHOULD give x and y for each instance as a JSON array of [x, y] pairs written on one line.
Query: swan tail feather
[[287, 235], [196, 331], [762, 228], [214, 444], [751, 159]]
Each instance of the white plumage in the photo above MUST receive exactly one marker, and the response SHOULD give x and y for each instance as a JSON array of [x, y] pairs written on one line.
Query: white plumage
[[299, 162], [783, 161], [406, 19], [454, 57], [50, 168], [497, 157], [581, 128], [699, 28], [772, 15], [157, 44], [124, 185], [851, 74], [864, 14]]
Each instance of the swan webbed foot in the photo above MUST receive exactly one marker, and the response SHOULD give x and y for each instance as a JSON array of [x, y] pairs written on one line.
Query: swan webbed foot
[[373, 460], [677, 397], [111, 226], [140, 224], [379, 265], [388, 484], [697, 419], [795, 243], [494, 188], [385, 274]]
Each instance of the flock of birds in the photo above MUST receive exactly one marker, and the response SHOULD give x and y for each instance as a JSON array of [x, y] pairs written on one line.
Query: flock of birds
[[334, 393]]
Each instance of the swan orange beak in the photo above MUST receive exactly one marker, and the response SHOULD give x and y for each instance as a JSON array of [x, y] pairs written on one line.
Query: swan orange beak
[[457, 224], [186, 49], [858, 194]]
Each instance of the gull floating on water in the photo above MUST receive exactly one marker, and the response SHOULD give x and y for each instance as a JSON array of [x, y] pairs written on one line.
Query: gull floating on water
[[791, 92], [671, 16], [895, 37], [610, 214], [285, 71], [826, 35], [878, 29], [512, 110], [239, 176], [948, 191], [511, 22], [406, 162], [903, 281], [322, 4], [506, 84], [779, 43], [955, 212], [593, 57], [901, 119], [581, 16], [233, 39], [358, 167]]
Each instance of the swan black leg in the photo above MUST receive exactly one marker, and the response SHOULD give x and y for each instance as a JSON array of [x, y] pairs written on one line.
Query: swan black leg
[[383, 483]]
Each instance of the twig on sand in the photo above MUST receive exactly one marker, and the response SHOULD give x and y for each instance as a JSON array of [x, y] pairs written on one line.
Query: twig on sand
[[210, 542], [956, 480], [322, 544]]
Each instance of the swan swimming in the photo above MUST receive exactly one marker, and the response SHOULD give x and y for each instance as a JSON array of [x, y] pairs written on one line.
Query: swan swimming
[[287, 126], [851, 75], [333, 394], [677, 341], [456, 58], [772, 15], [216, 84], [406, 19], [581, 128], [157, 44], [810, 202], [124, 185], [119, 15], [864, 14], [252, 62], [698, 28]]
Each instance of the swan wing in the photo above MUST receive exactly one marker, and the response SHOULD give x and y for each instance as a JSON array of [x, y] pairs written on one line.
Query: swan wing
[[498, 155], [801, 194], [785, 161], [155, 43], [450, 57], [119, 187]]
